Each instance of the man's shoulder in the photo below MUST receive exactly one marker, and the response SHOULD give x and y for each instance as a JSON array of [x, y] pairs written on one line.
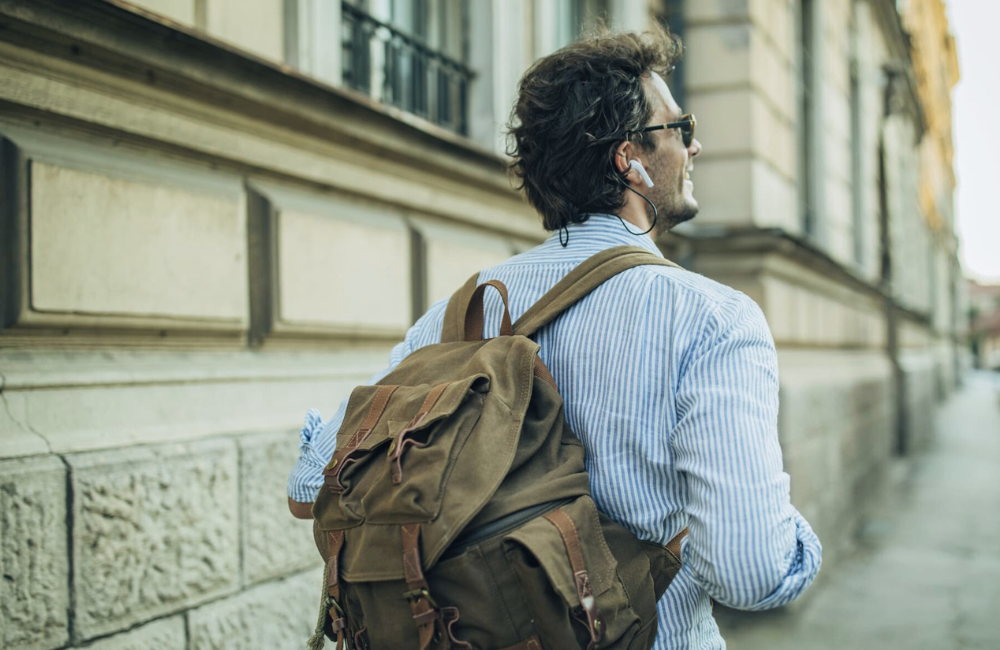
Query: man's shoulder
[[681, 282]]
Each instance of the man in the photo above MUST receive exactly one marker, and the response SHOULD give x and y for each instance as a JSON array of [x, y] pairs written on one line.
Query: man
[[669, 379]]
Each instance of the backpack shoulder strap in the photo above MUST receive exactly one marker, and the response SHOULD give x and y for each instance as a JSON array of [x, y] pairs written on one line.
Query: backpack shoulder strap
[[453, 328], [579, 282]]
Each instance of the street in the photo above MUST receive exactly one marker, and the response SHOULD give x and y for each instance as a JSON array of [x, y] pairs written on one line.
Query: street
[[926, 571]]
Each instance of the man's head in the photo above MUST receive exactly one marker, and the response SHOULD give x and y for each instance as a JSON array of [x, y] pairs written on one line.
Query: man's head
[[573, 131]]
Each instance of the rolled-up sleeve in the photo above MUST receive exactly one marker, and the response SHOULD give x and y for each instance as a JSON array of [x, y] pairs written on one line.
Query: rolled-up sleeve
[[748, 547]]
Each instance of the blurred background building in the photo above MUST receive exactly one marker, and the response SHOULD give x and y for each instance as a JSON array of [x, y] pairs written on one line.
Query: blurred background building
[[219, 213], [984, 326]]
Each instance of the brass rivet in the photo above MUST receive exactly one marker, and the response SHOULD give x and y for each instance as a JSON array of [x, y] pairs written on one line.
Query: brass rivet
[[334, 463]]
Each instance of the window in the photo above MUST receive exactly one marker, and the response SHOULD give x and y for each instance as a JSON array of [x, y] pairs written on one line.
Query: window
[[410, 54]]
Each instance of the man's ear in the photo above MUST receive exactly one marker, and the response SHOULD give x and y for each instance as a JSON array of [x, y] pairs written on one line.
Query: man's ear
[[622, 157]]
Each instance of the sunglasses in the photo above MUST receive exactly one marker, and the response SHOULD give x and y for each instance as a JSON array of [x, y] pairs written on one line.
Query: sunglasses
[[685, 124]]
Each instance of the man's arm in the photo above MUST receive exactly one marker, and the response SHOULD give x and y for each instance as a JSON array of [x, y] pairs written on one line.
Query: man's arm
[[748, 546], [318, 439]]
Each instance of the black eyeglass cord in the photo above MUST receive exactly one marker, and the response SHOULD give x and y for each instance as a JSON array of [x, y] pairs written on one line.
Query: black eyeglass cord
[[655, 213], [656, 216]]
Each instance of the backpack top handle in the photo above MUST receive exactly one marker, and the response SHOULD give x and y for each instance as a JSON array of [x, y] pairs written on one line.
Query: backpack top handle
[[474, 312]]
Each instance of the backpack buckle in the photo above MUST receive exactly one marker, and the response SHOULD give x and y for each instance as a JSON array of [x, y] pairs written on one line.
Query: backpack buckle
[[337, 466], [416, 594]]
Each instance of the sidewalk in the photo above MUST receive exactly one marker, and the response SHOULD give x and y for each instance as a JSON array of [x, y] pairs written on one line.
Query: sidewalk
[[927, 571]]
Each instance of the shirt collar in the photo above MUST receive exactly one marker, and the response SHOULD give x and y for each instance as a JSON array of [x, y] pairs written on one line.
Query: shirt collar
[[599, 232]]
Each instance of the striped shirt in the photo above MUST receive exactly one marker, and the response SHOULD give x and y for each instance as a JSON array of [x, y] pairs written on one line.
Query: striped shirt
[[670, 380]]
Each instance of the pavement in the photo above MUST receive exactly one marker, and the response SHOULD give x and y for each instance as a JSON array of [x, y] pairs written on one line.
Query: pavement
[[926, 570]]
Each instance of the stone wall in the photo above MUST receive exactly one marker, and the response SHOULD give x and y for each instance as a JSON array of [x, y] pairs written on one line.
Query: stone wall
[[186, 545], [837, 427]]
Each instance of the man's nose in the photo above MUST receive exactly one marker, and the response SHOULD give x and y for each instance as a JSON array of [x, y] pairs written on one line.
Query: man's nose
[[695, 148]]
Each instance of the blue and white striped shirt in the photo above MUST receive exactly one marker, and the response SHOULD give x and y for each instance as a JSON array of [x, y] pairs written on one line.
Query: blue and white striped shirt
[[670, 380]]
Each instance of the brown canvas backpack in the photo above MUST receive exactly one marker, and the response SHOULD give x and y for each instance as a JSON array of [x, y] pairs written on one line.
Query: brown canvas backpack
[[456, 510]]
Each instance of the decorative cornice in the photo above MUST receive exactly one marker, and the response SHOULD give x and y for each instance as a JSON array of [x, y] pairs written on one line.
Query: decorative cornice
[[767, 241]]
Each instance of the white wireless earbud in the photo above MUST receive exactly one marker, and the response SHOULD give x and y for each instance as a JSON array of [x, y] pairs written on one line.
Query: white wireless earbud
[[637, 166]]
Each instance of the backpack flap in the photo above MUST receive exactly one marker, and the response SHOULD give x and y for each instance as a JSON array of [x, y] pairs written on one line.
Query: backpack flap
[[366, 480]]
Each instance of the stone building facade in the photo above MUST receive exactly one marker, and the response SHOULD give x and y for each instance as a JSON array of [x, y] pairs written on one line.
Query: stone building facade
[[984, 325], [219, 213]]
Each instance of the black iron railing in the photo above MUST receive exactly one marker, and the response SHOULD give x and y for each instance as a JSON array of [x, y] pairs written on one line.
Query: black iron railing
[[399, 69]]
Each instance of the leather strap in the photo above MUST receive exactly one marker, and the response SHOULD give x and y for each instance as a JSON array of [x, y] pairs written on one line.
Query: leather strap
[[344, 456], [567, 530], [375, 412], [403, 440], [338, 622], [453, 328], [300, 509], [674, 545], [425, 612], [578, 283], [474, 312]]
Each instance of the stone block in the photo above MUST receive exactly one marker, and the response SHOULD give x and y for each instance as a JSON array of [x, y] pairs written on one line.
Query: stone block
[[774, 77], [16, 437], [275, 544], [34, 561], [717, 10], [729, 111], [836, 114], [99, 400], [155, 531], [717, 55], [775, 200], [135, 247], [775, 139], [164, 634], [181, 11], [780, 23], [255, 25], [727, 200], [272, 616], [454, 253], [343, 267]]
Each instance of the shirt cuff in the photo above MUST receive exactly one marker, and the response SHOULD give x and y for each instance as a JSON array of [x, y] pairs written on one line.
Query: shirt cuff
[[306, 477], [803, 567]]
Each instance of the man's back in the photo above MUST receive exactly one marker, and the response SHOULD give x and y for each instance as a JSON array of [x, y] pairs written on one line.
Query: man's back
[[670, 381]]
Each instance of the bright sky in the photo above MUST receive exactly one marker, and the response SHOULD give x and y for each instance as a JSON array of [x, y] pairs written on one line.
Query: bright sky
[[977, 135]]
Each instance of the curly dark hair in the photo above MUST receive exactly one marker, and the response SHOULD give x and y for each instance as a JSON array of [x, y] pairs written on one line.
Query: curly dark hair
[[573, 107]]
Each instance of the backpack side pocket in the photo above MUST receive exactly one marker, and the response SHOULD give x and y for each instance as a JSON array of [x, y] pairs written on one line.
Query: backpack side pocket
[[570, 580]]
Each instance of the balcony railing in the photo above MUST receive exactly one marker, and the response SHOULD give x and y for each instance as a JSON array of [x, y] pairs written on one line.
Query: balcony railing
[[398, 69]]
